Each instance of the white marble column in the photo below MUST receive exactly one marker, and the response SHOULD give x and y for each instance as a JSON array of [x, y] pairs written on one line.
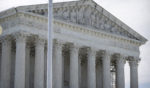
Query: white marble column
[[74, 67], [120, 77], [6, 64], [58, 81], [91, 68], [99, 82], [20, 61], [45, 66], [27, 74], [79, 62], [106, 70], [54, 65], [39, 63], [133, 73]]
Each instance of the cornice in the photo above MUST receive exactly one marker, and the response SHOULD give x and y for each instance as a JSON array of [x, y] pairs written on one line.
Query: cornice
[[24, 14], [22, 18]]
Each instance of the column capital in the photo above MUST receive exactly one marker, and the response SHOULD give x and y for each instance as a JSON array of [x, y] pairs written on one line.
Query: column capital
[[133, 61], [58, 42], [20, 36], [102, 53], [74, 46], [39, 40], [5, 38], [91, 51], [6, 41], [119, 58], [107, 53]]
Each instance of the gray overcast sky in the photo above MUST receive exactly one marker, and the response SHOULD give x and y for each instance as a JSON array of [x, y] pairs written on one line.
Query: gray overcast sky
[[135, 13]]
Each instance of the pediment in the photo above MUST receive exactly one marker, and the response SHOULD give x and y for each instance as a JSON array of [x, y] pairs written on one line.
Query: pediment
[[88, 14], [90, 17]]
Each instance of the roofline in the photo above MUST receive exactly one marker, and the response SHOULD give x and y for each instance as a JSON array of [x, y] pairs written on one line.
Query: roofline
[[87, 2]]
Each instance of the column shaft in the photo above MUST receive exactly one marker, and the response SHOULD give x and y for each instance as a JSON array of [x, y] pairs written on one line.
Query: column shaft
[[6, 64], [106, 70], [133, 74], [20, 62], [99, 82], [27, 74], [91, 69], [120, 73], [59, 66], [79, 62], [39, 64], [54, 66], [74, 67]]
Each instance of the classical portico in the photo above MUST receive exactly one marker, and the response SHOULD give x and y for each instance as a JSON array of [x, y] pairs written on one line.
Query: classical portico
[[90, 47]]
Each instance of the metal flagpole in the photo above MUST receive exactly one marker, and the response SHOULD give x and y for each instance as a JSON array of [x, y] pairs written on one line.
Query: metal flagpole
[[50, 44], [1, 29]]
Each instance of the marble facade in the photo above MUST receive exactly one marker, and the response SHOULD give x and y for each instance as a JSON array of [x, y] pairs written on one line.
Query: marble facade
[[90, 47]]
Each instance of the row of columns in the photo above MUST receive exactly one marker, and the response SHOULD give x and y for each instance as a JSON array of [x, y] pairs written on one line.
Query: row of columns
[[91, 68], [20, 66], [21, 79]]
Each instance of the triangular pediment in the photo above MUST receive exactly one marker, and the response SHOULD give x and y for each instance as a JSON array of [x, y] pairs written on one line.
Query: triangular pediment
[[88, 14]]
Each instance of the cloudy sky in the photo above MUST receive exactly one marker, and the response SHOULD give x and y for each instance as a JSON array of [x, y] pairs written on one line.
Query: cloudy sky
[[135, 13]]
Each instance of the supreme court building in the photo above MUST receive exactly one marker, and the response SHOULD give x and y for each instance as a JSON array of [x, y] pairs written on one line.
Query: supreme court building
[[90, 47]]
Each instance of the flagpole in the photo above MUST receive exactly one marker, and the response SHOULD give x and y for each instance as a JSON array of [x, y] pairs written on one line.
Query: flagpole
[[49, 44], [1, 29]]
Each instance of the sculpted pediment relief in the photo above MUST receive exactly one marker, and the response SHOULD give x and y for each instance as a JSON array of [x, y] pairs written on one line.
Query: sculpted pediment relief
[[87, 16], [90, 17]]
